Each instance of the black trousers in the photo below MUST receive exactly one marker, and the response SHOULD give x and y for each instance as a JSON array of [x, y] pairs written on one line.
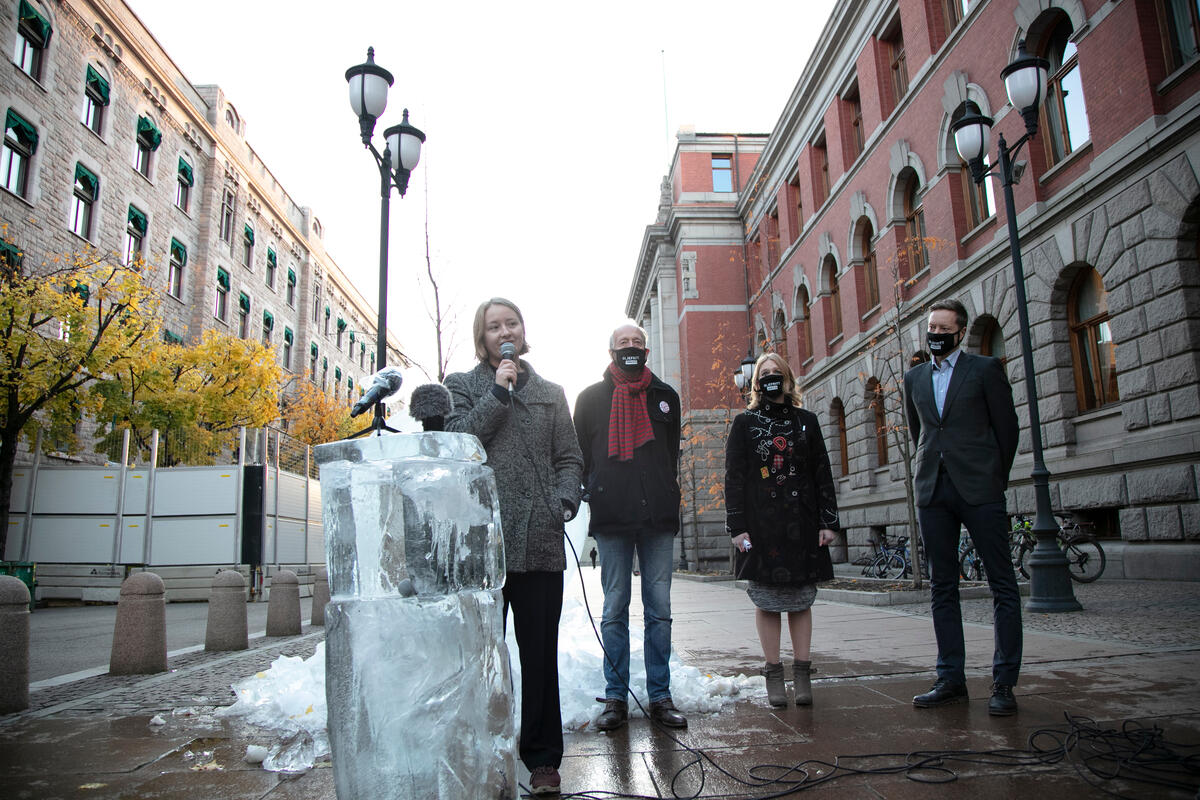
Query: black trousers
[[987, 524], [536, 600]]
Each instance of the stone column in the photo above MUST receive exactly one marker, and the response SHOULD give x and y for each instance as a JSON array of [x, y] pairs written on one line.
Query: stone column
[[140, 636], [227, 628], [14, 655], [283, 604]]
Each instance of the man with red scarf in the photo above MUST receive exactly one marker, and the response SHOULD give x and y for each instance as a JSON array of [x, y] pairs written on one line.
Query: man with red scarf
[[628, 428]]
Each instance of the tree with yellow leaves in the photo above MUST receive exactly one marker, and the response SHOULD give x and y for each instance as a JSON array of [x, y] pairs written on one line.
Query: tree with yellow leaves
[[315, 418], [64, 323], [196, 396]]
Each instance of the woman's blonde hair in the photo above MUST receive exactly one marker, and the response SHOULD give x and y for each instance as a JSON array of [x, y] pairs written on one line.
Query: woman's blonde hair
[[477, 328], [790, 390]]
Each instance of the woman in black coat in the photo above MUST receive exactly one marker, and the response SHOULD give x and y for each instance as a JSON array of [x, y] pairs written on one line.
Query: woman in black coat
[[781, 513]]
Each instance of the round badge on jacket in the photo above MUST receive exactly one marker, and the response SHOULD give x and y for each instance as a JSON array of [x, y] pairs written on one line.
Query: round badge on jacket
[[665, 406]]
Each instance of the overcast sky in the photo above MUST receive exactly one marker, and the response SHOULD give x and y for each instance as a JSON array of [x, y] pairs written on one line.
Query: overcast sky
[[548, 136]]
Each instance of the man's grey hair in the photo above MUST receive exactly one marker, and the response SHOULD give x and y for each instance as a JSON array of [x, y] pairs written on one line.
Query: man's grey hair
[[612, 337]]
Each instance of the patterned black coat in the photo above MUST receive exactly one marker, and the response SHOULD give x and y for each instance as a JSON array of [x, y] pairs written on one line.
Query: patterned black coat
[[779, 490]]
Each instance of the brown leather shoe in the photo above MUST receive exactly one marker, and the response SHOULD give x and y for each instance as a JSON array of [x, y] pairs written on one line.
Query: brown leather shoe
[[664, 713]]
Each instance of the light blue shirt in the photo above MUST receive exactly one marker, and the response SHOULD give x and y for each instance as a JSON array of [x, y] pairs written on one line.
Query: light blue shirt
[[941, 378]]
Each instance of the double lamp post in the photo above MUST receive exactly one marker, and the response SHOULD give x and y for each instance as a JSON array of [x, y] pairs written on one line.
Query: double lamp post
[[1025, 81], [369, 84]]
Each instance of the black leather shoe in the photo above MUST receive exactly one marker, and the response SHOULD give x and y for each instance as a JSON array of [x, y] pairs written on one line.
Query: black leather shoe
[[942, 693], [1002, 704], [664, 712], [613, 716]]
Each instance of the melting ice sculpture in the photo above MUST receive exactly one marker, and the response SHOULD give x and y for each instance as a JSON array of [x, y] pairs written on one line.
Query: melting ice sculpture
[[418, 687]]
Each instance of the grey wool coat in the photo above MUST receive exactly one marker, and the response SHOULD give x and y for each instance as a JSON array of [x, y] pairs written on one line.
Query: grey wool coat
[[532, 448]]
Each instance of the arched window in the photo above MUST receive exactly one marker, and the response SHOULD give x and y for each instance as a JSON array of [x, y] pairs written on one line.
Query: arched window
[[838, 412], [991, 338], [833, 299], [870, 269], [875, 401], [804, 324], [1091, 342], [1064, 115], [779, 333], [978, 200], [914, 227]]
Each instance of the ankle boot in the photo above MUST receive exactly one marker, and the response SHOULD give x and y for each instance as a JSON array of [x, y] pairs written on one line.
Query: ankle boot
[[776, 692], [801, 670]]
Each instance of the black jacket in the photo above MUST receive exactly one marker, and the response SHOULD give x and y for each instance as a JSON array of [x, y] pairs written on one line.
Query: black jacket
[[640, 494], [779, 489]]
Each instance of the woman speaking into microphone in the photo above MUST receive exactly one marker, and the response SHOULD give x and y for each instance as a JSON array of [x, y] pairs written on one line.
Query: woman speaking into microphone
[[525, 427]]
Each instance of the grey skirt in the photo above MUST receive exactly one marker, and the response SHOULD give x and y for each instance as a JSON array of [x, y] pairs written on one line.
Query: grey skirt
[[780, 597]]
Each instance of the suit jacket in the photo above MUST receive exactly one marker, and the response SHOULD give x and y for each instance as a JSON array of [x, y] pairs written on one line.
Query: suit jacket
[[975, 436]]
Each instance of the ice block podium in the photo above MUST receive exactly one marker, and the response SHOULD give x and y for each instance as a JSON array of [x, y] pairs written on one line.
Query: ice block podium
[[417, 672]]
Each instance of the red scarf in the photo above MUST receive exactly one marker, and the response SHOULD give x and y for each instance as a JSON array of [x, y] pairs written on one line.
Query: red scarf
[[629, 421]]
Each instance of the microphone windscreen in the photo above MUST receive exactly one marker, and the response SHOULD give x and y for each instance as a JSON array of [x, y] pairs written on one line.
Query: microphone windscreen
[[430, 400]]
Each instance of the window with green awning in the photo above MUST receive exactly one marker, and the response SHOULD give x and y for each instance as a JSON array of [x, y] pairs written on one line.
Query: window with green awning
[[341, 324], [244, 302], [271, 257], [171, 337], [87, 180], [325, 362], [82, 290], [287, 335], [352, 338], [137, 220], [249, 234], [98, 85], [223, 279], [337, 373], [185, 172], [35, 23], [326, 312], [26, 134], [363, 347], [268, 319], [291, 277], [314, 350], [178, 252], [149, 133], [350, 384]]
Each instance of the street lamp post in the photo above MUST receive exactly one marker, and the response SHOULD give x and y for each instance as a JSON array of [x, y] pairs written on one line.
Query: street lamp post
[[744, 373], [1025, 81], [368, 84]]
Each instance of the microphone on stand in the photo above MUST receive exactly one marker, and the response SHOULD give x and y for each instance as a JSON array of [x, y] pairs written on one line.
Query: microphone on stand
[[384, 384], [508, 351]]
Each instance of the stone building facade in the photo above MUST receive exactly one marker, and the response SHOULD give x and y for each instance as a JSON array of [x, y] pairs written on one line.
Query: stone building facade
[[856, 212], [116, 145]]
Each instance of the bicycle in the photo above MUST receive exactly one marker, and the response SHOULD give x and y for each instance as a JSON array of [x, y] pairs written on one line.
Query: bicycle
[[1085, 556], [892, 561]]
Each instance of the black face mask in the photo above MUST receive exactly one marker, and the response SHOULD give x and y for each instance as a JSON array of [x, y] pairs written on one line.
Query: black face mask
[[630, 359], [771, 385], [941, 344]]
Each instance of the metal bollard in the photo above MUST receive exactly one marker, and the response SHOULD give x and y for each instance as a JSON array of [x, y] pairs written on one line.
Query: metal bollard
[[140, 635], [227, 613], [14, 655], [320, 595], [283, 604]]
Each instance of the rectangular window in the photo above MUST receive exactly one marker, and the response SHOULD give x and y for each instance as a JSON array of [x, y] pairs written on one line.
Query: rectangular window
[[175, 269], [83, 201], [270, 272], [722, 173], [1180, 27], [227, 205], [856, 138], [268, 325], [362, 355], [221, 309], [135, 234], [20, 143], [243, 315], [820, 169], [291, 288], [899, 65], [183, 188], [795, 207], [341, 328], [954, 10], [148, 140], [286, 356], [33, 36], [248, 247], [11, 257], [316, 315], [312, 362], [95, 99]]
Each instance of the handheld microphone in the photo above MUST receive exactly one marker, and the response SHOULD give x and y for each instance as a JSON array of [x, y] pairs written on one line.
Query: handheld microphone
[[384, 384], [508, 351], [430, 404]]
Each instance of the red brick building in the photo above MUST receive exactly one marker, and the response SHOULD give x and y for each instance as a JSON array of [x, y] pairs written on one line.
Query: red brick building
[[826, 239]]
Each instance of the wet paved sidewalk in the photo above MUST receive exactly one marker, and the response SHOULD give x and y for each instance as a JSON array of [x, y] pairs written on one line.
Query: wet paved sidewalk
[[1132, 655]]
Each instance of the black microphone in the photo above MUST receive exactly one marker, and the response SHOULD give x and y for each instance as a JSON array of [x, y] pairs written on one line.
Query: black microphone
[[508, 351], [429, 405], [384, 384]]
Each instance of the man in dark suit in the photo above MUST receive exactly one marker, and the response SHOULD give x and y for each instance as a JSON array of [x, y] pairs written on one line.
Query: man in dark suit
[[961, 416]]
